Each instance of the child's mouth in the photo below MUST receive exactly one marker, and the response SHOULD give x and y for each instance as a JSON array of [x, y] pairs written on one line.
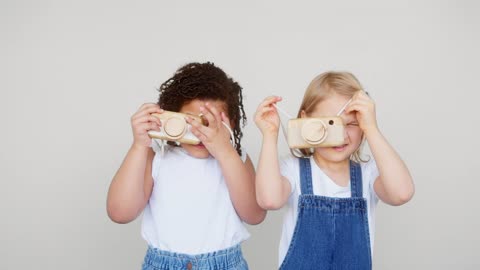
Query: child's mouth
[[200, 145], [340, 148]]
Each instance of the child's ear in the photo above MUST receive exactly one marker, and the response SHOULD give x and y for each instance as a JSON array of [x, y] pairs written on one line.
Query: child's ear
[[303, 114], [226, 118]]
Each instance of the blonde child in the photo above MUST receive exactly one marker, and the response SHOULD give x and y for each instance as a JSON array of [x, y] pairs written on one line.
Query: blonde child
[[330, 193], [195, 198]]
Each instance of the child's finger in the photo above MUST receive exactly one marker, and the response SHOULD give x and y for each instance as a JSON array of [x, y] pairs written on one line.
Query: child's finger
[[156, 120], [363, 96], [215, 113], [266, 105], [198, 134], [274, 98], [147, 118], [265, 110], [261, 113], [198, 126], [146, 105], [270, 100], [364, 103], [148, 110], [143, 128], [154, 126], [152, 118], [355, 108]]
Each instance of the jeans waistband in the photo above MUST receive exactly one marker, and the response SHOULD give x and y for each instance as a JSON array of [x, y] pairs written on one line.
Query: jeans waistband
[[222, 259]]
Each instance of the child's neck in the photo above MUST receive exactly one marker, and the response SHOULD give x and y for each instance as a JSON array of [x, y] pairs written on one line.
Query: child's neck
[[338, 171]]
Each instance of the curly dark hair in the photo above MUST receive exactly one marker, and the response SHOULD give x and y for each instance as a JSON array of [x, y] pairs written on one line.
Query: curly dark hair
[[205, 81]]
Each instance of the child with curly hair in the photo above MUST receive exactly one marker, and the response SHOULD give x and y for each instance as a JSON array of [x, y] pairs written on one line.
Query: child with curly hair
[[195, 198]]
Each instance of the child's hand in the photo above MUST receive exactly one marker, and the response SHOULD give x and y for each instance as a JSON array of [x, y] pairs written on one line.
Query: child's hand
[[266, 116], [142, 121], [215, 136], [364, 108]]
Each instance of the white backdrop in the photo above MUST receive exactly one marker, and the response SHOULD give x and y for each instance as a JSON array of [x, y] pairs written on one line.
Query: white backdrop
[[73, 72]]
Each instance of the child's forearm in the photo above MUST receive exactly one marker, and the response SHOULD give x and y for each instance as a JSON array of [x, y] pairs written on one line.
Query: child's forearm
[[272, 188], [127, 195], [395, 185], [240, 180]]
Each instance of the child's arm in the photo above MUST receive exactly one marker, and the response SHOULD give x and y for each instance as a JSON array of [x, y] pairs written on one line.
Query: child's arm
[[394, 184], [239, 176], [132, 185], [240, 179], [273, 189]]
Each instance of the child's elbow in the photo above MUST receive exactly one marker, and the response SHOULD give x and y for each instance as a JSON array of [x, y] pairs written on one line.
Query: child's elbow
[[118, 215], [257, 218], [269, 203], [403, 197]]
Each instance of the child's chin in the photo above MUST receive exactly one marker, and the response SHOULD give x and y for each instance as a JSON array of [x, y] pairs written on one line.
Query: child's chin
[[195, 151], [333, 155]]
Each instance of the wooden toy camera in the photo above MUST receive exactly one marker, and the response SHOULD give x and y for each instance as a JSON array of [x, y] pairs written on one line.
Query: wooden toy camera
[[315, 132], [175, 128]]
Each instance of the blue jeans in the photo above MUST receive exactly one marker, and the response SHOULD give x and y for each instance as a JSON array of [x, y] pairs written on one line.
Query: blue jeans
[[227, 259]]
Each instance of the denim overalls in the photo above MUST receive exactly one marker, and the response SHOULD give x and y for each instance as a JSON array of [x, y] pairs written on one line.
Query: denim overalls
[[330, 233], [226, 259]]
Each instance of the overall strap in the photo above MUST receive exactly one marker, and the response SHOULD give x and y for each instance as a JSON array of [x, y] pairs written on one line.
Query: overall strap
[[305, 176], [356, 185]]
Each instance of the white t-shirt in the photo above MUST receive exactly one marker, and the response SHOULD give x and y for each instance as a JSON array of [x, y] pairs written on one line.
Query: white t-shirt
[[190, 210], [323, 186]]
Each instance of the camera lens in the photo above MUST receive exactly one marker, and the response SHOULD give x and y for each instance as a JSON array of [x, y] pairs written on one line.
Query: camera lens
[[314, 131], [174, 127]]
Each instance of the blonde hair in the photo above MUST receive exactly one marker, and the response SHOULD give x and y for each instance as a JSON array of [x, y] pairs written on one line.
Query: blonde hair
[[321, 87]]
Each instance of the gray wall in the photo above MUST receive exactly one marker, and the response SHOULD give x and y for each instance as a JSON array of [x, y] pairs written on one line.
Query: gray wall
[[72, 74]]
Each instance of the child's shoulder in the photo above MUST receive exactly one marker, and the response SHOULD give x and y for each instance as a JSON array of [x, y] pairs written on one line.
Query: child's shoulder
[[369, 170], [289, 162], [369, 165], [289, 158]]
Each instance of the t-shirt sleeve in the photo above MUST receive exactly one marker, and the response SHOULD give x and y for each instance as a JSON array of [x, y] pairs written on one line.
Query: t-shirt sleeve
[[289, 169], [371, 175], [155, 145], [157, 150]]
